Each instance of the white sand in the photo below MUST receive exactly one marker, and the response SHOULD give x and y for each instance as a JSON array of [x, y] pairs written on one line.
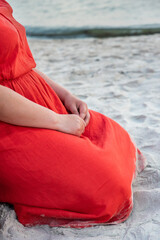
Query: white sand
[[119, 77]]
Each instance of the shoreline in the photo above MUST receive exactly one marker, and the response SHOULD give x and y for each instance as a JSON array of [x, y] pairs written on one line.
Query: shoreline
[[87, 32]]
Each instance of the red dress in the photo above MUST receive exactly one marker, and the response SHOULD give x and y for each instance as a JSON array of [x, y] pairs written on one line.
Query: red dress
[[52, 177]]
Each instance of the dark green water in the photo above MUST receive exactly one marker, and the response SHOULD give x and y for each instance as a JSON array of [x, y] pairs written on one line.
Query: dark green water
[[83, 18]]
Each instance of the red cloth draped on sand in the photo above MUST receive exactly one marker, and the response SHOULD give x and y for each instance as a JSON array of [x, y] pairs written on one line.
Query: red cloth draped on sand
[[51, 177]]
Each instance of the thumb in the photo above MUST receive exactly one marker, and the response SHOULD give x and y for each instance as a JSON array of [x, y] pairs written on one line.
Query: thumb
[[83, 110]]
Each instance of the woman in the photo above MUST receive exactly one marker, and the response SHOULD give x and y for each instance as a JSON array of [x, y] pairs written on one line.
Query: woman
[[60, 163]]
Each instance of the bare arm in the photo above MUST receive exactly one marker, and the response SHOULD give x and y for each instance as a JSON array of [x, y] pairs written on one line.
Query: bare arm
[[18, 110], [71, 102]]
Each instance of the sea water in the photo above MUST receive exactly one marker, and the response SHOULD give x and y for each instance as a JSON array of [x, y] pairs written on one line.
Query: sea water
[[48, 17]]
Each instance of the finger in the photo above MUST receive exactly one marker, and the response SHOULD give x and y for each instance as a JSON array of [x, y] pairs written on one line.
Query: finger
[[83, 126], [74, 110], [83, 110], [87, 118]]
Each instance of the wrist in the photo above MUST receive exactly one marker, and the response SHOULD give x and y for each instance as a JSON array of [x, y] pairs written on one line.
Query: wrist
[[66, 95], [53, 120]]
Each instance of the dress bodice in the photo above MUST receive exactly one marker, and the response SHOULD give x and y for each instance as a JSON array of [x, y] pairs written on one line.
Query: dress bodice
[[15, 56]]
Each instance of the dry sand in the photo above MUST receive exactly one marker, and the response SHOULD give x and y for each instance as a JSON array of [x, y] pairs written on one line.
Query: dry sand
[[119, 77]]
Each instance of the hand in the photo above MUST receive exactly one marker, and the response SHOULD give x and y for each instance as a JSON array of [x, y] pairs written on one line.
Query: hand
[[70, 123], [78, 107]]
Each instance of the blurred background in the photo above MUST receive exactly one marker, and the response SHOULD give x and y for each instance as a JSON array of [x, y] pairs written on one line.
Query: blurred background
[[88, 17]]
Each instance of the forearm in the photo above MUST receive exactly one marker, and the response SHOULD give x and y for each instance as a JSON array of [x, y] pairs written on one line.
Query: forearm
[[60, 91], [18, 110], [71, 102]]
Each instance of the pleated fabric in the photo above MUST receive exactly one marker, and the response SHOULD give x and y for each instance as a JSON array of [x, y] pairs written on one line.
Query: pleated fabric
[[52, 177]]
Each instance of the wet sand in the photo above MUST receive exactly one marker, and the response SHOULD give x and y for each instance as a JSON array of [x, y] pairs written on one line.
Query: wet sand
[[119, 77]]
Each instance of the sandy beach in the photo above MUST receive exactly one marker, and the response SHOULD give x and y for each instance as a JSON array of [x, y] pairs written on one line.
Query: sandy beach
[[119, 77]]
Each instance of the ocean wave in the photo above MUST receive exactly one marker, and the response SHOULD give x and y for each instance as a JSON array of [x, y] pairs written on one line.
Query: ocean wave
[[71, 32]]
